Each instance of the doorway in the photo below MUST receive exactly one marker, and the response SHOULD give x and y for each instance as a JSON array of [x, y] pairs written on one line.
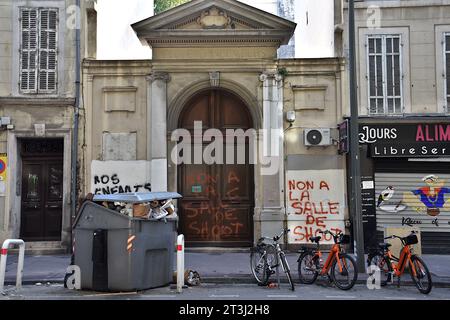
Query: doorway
[[218, 199], [42, 189]]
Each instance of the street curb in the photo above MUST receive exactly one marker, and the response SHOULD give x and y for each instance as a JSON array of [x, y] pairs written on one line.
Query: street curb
[[248, 279], [243, 279]]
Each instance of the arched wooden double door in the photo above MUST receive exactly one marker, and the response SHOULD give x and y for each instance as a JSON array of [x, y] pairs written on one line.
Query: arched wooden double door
[[218, 199]]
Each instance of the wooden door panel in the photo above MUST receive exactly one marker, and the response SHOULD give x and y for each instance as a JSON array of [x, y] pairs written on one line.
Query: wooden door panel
[[53, 204], [32, 201], [235, 222], [235, 183], [42, 195], [217, 208]]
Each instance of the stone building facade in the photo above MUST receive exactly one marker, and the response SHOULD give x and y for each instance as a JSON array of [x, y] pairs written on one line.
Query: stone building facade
[[403, 71], [37, 103], [215, 66]]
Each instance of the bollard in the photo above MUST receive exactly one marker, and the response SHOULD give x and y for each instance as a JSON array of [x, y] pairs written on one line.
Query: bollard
[[4, 256], [180, 263]]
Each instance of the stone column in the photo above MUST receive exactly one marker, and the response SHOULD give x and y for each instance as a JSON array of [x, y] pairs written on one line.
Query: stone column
[[157, 134], [272, 168]]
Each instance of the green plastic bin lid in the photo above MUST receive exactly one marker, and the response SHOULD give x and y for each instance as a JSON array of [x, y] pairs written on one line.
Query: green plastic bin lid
[[136, 197]]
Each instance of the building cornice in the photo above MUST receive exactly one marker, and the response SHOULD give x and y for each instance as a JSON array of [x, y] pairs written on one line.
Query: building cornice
[[37, 102]]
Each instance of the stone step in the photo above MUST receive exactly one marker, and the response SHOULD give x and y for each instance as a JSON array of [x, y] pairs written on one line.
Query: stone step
[[43, 248]]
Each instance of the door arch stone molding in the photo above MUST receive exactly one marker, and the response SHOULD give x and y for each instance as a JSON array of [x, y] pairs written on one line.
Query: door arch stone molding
[[177, 104]]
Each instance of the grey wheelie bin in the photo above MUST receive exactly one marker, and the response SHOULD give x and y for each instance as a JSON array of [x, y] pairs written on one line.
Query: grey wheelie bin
[[116, 252]]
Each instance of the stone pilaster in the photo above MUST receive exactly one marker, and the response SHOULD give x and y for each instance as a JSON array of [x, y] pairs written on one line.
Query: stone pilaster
[[157, 133], [272, 168]]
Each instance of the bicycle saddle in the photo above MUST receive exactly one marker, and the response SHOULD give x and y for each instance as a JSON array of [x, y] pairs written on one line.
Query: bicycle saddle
[[384, 245], [315, 239]]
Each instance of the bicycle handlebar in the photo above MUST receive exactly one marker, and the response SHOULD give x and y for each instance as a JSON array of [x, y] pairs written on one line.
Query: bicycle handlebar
[[335, 235], [278, 237], [397, 237]]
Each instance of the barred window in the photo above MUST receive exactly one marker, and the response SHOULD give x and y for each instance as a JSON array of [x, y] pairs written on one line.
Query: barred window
[[384, 74], [38, 50]]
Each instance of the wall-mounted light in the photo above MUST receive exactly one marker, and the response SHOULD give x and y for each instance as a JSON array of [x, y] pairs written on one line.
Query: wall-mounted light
[[290, 116]]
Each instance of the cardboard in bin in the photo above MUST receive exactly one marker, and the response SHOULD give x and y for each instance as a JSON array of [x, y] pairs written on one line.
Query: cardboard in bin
[[136, 197]]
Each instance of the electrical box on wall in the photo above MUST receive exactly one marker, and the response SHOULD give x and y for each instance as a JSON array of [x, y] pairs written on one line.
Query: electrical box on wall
[[319, 137], [5, 121]]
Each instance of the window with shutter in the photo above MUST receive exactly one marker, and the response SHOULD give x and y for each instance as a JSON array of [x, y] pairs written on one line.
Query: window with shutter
[[447, 69], [39, 50], [29, 50], [384, 74]]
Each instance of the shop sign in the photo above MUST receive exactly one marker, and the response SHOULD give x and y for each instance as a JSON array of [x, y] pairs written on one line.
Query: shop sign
[[406, 140]]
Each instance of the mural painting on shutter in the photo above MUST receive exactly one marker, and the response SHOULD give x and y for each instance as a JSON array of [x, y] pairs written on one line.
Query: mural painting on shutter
[[413, 199]]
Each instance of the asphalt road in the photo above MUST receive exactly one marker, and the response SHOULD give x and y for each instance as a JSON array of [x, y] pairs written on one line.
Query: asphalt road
[[230, 292]]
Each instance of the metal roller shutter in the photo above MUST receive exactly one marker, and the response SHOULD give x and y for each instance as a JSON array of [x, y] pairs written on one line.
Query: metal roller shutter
[[411, 201]]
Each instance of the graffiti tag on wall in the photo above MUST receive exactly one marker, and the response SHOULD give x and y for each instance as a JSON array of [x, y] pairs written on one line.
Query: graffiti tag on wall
[[111, 177], [218, 218], [315, 202]]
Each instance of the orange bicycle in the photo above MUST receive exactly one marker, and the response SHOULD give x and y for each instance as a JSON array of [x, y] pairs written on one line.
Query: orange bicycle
[[340, 268], [391, 266]]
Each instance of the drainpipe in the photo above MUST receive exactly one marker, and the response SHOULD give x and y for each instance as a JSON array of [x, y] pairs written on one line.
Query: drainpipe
[[74, 151]]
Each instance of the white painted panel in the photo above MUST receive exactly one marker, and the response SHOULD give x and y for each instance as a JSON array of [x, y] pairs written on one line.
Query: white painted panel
[[111, 177], [315, 202]]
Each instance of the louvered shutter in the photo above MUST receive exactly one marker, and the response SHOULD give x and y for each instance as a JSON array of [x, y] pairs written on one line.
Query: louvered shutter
[[29, 50], [48, 51], [447, 69]]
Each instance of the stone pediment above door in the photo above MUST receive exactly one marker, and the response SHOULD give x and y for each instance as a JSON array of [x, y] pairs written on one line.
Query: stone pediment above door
[[200, 22]]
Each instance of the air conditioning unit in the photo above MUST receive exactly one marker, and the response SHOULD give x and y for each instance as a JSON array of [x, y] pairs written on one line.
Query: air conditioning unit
[[317, 137]]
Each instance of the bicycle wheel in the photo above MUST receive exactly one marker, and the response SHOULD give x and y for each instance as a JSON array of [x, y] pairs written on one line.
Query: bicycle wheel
[[287, 270], [308, 266], [345, 275], [258, 265], [422, 279], [380, 261]]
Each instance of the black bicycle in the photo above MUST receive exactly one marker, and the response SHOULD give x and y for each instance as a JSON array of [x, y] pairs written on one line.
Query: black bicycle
[[265, 258]]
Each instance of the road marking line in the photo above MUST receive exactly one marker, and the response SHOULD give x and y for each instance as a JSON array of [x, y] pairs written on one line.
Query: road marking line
[[160, 295], [401, 298], [224, 296], [281, 296], [341, 297], [110, 294]]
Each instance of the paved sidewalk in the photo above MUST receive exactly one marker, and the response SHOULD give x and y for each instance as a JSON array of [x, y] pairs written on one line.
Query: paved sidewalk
[[213, 267]]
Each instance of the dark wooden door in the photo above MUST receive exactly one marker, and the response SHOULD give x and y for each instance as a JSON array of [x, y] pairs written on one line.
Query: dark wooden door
[[217, 208], [42, 194]]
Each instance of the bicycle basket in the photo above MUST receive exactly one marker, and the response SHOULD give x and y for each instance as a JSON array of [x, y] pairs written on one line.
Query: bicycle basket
[[344, 239], [411, 239]]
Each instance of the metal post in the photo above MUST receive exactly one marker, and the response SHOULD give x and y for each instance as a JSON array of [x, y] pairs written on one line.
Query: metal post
[[4, 256], [355, 169], [180, 263]]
